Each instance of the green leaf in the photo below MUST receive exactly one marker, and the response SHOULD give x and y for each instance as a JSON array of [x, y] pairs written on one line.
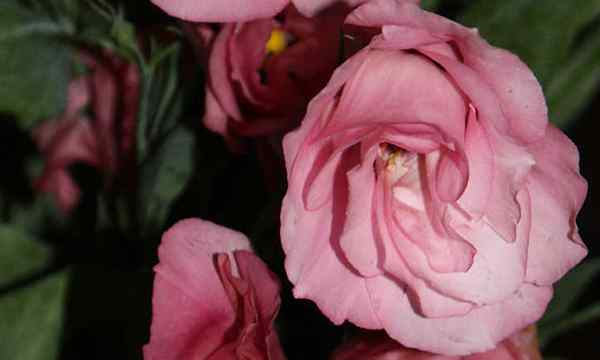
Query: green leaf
[[542, 35], [164, 175], [32, 319], [568, 291], [573, 85], [582, 317], [31, 314], [430, 5], [35, 65], [20, 255]]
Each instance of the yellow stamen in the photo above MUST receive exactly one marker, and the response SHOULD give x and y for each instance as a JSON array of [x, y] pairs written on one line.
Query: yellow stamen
[[277, 43]]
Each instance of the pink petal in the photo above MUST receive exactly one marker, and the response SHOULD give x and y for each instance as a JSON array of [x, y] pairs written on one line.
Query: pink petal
[[424, 299], [191, 311], [221, 11], [314, 266], [313, 7], [479, 330], [215, 118], [451, 175], [497, 270], [409, 216], [65, 190], [246, 57], [254, 297], [219, 76], [357, 240], [78, 96], [265, 288], [510, 80], [64, 142], [480, 158], [557, 193], [408, 99]]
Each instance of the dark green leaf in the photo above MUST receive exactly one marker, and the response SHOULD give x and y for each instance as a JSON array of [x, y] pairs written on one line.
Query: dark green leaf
[[164, 175], [32, 320], [569, 289], [542, 35], [20, 255], [36, 67], [573, 321], [430, 5], [574, 84]]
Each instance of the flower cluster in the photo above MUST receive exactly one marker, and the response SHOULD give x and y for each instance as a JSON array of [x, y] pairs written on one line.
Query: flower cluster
[[428, 196]]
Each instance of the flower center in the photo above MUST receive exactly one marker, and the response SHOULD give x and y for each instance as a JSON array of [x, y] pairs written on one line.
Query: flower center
[[278, 42], [393, 161]]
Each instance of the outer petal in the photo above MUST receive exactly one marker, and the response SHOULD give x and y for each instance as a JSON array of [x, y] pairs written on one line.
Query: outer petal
[[265, 289], [221, 11], [64, 142], [311, 242], [479, 330], [215, 118], [191, 311], [512, 82], [341, 294], [557, 193], [312, 7], [219, 76]]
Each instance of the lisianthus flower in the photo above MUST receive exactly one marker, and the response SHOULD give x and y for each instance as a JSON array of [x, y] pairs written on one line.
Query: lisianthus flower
[[427, 194], [97, 127], [259, 76], [213, 298]]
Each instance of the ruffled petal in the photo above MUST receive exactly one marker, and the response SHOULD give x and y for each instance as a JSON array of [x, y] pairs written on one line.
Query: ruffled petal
[[519, 93], [480, 158], [557, 193], [479, 330], [313, 7], [434, 102], [219, 75], [191, 311], [221, 11], [315, 263]]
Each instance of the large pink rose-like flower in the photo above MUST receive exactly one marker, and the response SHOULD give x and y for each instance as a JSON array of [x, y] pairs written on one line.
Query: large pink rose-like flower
[[427, 193], [105, 141], [260, 73], [243, 10], [213, 298], [520, 346]]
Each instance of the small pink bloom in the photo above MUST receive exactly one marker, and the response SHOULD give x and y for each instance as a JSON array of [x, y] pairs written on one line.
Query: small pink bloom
[[427, 194], [242, 10], [377, 346], [259, 76], [106, 141], [213, 298]]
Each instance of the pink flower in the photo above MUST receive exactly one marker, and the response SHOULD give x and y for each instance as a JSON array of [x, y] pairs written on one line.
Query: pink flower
[[242, 10], [427, 194], [213, 298], [106, 141], [520, 346], [259, 79]]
